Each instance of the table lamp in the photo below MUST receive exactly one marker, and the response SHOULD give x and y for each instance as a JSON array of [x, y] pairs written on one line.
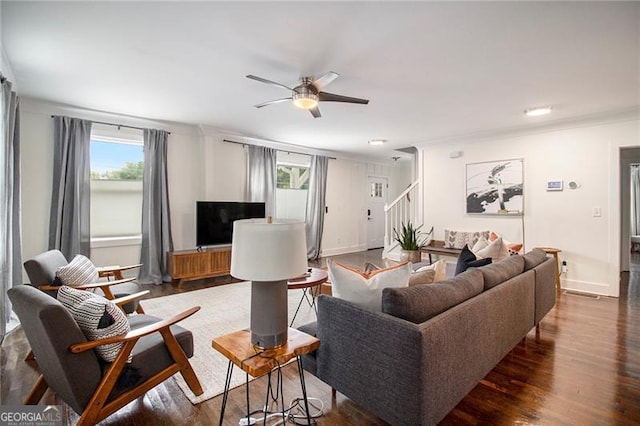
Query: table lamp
[[268, 253]]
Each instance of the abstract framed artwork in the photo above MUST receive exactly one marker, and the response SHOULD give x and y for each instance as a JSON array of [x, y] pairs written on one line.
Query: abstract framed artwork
[[495, 187]]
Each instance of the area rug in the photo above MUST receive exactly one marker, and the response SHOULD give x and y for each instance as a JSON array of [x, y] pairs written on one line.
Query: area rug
[[225, 309]]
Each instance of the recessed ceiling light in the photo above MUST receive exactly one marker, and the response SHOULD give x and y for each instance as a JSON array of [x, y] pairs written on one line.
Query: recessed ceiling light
[[377, 141], [539, 110]]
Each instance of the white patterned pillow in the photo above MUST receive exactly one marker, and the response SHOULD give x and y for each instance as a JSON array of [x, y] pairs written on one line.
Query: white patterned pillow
[[79, 271], [458, 239], [365, 289], [496, 250], [97, 317], [439, 268]]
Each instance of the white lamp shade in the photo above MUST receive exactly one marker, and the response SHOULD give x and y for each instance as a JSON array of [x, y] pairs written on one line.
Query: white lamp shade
[[264, 251]]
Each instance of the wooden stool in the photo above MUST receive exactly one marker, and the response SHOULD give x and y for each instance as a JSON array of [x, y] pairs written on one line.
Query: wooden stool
[[554, 252]]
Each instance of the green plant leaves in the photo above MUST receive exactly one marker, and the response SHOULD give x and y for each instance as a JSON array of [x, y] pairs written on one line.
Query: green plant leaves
[[410, 237]]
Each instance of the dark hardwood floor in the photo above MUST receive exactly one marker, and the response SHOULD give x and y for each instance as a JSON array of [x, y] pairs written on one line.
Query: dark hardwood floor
[[583, 368]]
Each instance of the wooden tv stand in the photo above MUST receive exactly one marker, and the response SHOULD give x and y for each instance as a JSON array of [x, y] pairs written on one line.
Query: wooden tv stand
[[189, 265]]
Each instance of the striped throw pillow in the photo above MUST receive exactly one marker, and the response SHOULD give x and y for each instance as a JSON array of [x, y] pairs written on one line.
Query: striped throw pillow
[[79, 271], [97, 317]]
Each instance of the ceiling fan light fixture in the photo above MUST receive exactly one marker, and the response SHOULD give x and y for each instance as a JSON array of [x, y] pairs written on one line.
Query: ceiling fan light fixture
[[305, 100], [537, 111]]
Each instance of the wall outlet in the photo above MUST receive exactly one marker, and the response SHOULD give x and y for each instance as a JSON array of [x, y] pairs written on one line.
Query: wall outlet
[[597, 212], [564, 269]]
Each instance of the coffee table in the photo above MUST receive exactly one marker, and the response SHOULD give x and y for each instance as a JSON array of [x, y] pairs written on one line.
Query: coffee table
[[310, 286]]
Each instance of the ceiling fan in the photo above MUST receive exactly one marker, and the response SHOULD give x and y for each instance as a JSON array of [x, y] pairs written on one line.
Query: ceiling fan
[[309, 92]]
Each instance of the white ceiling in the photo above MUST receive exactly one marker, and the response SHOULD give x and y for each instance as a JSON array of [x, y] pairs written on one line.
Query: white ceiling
[[431, 70]]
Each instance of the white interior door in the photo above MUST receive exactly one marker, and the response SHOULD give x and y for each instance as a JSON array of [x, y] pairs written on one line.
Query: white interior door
[[378, 189]]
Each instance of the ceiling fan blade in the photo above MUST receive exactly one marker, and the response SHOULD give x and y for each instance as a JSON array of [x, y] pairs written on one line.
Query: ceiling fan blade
[[331, 97], [264, 80], [325, 80], [276, 101], [315, 111]]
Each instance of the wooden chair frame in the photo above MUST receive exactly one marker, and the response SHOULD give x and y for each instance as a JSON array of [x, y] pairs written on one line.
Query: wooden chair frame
[[98, 407], [104, 286]]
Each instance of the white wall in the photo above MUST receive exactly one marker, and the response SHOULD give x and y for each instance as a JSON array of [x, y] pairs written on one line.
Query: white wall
[[587, 154], [400, 177], [225, 168]]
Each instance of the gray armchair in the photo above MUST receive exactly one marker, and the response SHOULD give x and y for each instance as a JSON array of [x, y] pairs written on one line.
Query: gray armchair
[[41, 271], [71, 368]]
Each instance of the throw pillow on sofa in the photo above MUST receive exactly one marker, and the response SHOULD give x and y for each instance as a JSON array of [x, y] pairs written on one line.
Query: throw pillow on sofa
[[469, 260], [496, 250], [365, 289], [439, 271], [514, 248], [97, 317]]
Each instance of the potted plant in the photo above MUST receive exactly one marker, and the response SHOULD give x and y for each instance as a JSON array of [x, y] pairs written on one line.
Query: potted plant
[[411, 240]]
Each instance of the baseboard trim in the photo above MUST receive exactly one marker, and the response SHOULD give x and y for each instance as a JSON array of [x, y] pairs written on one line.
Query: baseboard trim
[[601, 289], [342, 250]]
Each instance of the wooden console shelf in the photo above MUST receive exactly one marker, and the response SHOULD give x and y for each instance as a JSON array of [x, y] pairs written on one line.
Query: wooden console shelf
[[189, 265], [437, 247]]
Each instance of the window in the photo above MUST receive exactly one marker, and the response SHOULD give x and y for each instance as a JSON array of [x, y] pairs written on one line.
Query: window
[[292, 186], [117, 165], [293, 177]]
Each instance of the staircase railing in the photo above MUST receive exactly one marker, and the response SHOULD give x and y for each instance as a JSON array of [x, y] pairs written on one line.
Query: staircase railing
[[405, 208]]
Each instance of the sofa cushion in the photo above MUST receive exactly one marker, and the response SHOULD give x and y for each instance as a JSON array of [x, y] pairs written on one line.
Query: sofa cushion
[[351, 284], [534, 258], [79, 271], [514, 248], [468, 260], [500, 272], [422, 277], [481, 244], [97, 317], [310, 360], [458, 239], [422, 302]]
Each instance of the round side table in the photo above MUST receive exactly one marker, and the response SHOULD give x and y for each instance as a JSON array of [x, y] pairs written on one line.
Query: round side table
[[308, 284], [554, 252]]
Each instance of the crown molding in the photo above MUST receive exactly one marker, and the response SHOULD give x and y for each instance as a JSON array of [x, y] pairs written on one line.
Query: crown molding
[[45, 107], [220, 133], [608, 117]]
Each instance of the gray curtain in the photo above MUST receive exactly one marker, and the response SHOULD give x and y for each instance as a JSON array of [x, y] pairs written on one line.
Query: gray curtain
[[316, 198], [10, 244], [156, 220], [261, 179], [70, 211], [635, 199]]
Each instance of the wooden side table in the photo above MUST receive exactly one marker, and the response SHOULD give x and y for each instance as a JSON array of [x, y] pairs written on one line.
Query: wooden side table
[[308, 284], [554, 252], [237, 348]]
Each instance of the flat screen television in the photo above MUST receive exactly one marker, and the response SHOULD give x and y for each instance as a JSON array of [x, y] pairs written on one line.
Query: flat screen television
[[214, 220]]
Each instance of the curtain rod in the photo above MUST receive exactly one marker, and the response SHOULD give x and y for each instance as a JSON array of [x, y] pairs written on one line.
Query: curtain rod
[[281, 150], [117, 125]]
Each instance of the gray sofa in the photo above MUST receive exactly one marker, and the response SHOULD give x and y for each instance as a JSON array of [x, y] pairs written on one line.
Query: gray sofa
[[413, 362]]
